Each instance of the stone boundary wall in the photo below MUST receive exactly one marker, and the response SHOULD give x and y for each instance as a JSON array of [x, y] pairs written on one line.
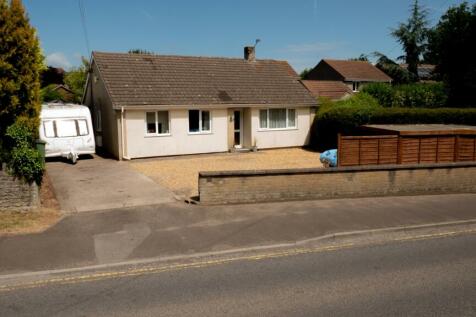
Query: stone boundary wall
[[15, 195], [326, 183]]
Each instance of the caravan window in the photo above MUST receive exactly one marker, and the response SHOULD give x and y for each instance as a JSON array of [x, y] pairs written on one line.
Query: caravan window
[[82, 127], [66, 128], [49, 128]]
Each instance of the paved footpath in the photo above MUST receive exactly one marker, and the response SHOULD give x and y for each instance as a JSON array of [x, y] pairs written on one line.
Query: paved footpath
[[134, 233]]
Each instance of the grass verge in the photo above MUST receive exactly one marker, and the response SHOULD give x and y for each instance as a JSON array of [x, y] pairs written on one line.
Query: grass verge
[[12, 223]]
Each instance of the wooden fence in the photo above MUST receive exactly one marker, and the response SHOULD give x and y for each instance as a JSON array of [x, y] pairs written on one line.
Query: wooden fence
[[394, 149]]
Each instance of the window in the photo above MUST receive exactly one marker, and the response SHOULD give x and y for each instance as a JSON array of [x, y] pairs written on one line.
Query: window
[[199, 121], [355, 86], [49, 128], [263, 118], [151, 123], [65, 128], [82, 127], [278, 118], [157, 122]]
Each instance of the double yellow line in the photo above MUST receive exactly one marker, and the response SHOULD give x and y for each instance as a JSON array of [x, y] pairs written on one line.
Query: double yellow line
[[208, 263]]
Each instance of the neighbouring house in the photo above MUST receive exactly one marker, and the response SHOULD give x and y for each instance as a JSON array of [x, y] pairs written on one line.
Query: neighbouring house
[[157, 105], [425, 71], [333, 90], [67, 95], [354, 74]]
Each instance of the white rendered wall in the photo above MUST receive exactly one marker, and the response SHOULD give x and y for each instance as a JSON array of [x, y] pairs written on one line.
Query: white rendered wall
[[298, 136], [180, 141]]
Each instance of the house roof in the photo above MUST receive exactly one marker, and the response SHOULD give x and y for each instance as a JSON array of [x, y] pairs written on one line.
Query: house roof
[[357, 70], [150, 80], [63, 87], [331, 89]]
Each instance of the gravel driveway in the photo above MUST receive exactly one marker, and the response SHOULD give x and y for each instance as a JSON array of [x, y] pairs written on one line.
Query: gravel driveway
[[180, 174]]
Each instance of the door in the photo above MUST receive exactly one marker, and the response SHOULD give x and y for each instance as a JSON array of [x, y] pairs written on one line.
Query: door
[[238, 124]]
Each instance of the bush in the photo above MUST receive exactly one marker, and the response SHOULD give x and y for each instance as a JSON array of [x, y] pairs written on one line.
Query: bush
[[347, 113], [20, 154], [329, 123], [418, 95], [381, 91], [49, 94], [26, 163], [19, 135]]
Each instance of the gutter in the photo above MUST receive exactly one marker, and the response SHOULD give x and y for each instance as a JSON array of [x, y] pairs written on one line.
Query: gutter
[[214, 106], [123, 156]]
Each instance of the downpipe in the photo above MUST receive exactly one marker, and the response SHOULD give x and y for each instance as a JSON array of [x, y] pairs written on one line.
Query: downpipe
[[123, 156]]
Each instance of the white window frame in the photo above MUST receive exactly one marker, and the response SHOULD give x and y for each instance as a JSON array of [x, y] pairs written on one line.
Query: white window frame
[[147, 134], [295, 127], [355, 86], [200, 131]]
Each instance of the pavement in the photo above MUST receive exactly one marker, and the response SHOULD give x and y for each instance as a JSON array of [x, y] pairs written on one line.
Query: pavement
[[115, 236], [97, 183], [419, 277]]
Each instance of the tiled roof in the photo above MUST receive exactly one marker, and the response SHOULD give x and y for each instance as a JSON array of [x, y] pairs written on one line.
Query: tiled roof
[[334, 90], [358, 70], [142, 79]]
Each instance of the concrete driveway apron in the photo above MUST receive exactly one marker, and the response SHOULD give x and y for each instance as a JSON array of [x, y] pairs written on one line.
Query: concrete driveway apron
[[98, 183]]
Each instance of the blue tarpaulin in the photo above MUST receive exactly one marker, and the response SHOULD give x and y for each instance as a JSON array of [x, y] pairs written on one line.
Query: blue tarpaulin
[[329, 158]]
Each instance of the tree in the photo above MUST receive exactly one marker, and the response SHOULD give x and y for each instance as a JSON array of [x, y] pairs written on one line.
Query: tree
[[140, 51], [304, 73], [398, 74], [20, 64], [52, 75], [76, 79], [413, 36], [48, 93], [451, 48], [362, 57]]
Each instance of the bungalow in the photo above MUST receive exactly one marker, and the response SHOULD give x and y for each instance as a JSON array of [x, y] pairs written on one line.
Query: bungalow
[[353, 74], [147, 105], [331, 89]]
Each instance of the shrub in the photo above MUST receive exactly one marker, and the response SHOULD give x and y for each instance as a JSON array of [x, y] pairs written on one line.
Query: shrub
[[49, 94], [20, 154], [347, 114], [329, 123], [417, 95], [421, 95], [19, 135], [26, 163], [381, 91]]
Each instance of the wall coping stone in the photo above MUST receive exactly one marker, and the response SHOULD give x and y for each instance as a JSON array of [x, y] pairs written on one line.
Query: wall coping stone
[[348, 169]]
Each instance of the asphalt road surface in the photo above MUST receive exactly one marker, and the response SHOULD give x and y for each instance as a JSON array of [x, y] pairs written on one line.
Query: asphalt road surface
[[433, 277]]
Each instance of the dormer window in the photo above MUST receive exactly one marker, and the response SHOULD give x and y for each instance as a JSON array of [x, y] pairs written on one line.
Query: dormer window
[[355, 86]]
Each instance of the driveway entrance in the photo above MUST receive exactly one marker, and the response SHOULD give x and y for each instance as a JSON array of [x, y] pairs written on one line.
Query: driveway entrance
[[98, 183]]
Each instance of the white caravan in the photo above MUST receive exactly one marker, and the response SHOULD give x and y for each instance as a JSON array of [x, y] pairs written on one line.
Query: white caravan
[[67, 130]]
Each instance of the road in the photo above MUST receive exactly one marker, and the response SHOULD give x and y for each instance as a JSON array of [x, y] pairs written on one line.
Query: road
[[424, 277]]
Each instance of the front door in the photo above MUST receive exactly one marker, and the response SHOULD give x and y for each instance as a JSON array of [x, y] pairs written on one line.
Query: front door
[[237, 135]]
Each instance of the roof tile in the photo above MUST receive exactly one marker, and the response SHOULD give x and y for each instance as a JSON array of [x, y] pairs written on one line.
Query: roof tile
[[141, 79]]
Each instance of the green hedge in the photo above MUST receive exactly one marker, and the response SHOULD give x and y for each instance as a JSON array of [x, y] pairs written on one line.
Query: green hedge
[[330, 121], [418, 95], [19, 152]]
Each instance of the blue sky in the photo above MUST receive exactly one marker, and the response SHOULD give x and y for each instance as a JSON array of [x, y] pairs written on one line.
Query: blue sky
[[300, 31]]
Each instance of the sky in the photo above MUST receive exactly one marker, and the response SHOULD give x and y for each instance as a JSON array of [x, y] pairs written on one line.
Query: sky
[[301, 32]]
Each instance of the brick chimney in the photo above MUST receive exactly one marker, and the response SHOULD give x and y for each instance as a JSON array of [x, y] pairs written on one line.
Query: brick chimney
[[250, 55]]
